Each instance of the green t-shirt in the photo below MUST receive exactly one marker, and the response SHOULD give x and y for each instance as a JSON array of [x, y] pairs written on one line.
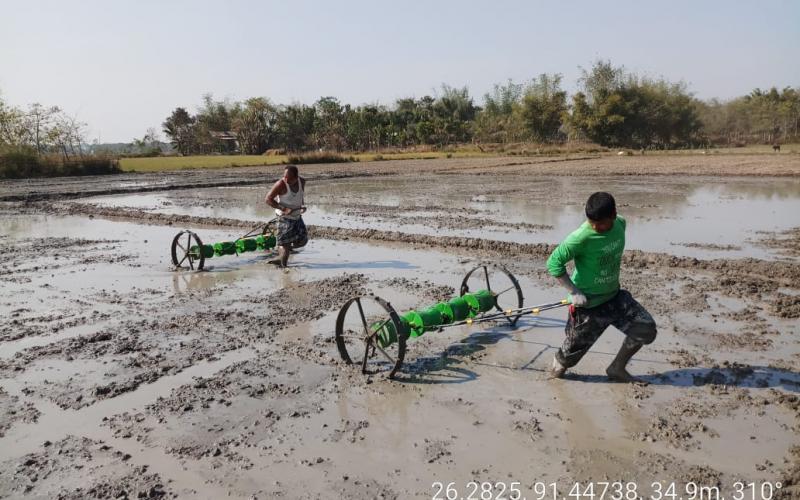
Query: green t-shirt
[[597, 259]]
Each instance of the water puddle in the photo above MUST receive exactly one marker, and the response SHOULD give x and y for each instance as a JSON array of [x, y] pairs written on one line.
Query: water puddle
[[699, 216]]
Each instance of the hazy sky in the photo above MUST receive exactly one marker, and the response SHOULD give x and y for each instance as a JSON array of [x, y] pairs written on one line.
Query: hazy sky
[[122, 66]]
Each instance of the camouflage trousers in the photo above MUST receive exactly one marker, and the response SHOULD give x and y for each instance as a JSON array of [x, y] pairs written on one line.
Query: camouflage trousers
[[585, 326]]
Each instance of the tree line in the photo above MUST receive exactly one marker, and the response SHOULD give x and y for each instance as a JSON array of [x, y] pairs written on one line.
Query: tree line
[[612, 107], [45, 141], [41, 130]]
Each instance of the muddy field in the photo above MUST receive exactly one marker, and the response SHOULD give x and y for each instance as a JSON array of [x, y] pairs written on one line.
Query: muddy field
[[123, 378]]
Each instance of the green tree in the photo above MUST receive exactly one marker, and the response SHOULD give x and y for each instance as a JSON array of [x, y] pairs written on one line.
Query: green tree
[[66, 136], [543, 106], [13, 132], [404, 119], [618, 109], [368, 127], [39, 120], [179, 128], [295, 127], [213, 118], [598, 108], [500, 119], [255, 125], [329, 125], [455, 111]]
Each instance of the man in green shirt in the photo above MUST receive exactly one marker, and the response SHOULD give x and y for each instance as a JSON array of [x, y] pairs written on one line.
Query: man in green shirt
[[597, 301]]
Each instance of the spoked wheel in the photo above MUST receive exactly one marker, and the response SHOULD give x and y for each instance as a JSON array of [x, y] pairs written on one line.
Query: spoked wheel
[[182, 255], [369, 332], [498, 280], [270, 229]]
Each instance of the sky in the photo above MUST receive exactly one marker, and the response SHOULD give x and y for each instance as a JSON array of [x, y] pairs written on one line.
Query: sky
[[123, 66]]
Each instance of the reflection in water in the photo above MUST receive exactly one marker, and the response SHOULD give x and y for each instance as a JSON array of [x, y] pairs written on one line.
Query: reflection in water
[[376, 264], [662, 210]]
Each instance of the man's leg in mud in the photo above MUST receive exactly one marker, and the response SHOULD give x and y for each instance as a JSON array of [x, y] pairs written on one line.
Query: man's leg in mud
[[283, 254], [639, 328], [301, 236], [298, 244], [291, 234], [584, 327], [282, 258]]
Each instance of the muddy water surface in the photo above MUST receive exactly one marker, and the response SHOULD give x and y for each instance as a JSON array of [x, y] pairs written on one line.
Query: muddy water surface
[[690, 216], [120, 376]]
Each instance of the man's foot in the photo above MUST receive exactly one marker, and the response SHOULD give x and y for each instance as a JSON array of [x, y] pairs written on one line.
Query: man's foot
[[557, 370], [620, 374]]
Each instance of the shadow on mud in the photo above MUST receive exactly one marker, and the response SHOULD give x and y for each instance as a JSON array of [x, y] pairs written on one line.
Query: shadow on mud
[[747, 376], [375, 264], [441, 369]]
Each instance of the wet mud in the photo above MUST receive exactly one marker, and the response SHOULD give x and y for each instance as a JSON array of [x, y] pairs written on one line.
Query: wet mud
[[78, 468], [122, 378], [12, 411]]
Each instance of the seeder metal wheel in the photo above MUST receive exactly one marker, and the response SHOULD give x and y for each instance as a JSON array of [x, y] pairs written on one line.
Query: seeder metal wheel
[[498, 280], [181, 254], [357, 335]]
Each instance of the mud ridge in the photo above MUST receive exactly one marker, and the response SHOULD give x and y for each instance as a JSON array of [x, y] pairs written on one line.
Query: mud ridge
[[35, 196], [101, 471], [141, 351], [757, 270]]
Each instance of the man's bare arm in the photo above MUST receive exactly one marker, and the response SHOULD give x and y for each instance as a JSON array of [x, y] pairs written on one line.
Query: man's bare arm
[[278, 189]]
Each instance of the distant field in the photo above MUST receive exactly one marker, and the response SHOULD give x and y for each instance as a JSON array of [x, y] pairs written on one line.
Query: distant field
[[163, 163], [755, 149], [166, 163], [421, 156], [760, 149]]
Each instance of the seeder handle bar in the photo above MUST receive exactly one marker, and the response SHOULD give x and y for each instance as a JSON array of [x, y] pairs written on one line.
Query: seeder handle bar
[[259, 229], [279, 211], [513, 312]]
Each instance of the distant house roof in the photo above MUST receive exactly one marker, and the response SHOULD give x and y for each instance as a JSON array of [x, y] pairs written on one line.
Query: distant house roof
[[224, 136]]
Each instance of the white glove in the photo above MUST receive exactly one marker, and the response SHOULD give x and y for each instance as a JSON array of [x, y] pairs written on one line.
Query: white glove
[[578, 298]]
